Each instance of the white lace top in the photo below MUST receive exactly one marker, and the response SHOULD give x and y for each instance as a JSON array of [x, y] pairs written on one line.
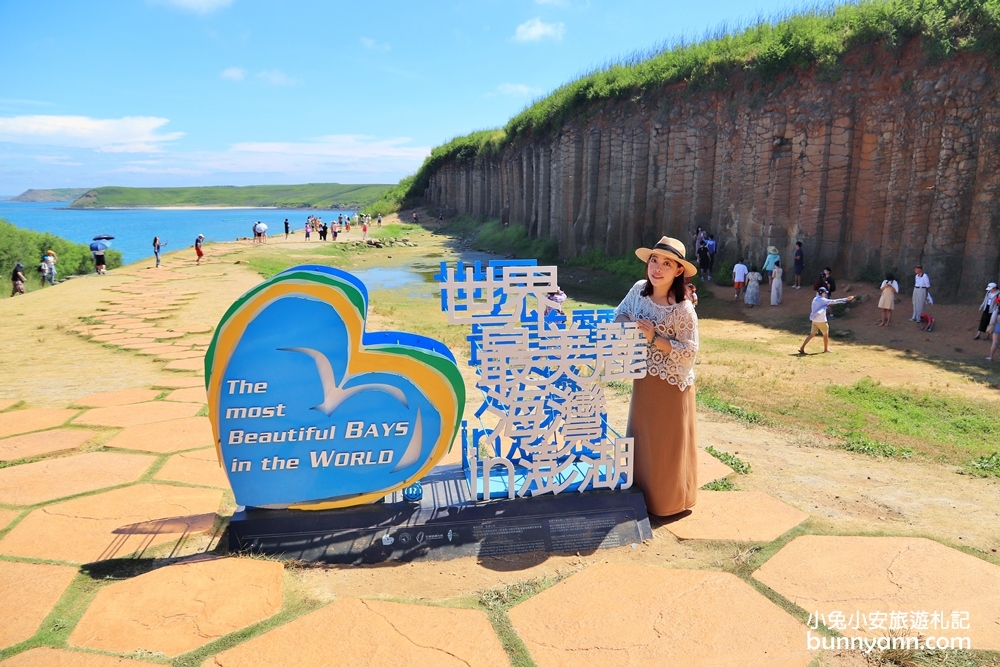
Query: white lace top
[[678, 323]]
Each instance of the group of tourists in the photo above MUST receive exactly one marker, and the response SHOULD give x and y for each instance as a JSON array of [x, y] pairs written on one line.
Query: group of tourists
[[747, 279], [344, 223]]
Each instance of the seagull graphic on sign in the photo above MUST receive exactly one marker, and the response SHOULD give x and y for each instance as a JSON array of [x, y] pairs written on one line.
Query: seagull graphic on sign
[[334, 394]]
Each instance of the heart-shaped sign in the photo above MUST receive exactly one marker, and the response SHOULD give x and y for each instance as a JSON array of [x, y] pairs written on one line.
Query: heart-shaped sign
[[310, 411]]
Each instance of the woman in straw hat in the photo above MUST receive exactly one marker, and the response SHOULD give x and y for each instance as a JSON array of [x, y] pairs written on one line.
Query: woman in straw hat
[[662, 415], [769, 261]]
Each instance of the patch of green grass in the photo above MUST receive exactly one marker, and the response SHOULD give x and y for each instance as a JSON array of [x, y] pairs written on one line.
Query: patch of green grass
[[395, 230], [931, 418], [625, 266], [862, 444], [985, 466], [492, 236], [708, 399], [737, 464], [620, 387], [719, 485], [497, 601]]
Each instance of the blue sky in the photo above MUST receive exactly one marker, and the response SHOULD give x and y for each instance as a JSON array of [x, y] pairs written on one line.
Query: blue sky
[[206, 92]]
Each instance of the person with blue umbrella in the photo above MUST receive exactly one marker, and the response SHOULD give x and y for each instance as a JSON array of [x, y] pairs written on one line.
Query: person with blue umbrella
[[97, 248]]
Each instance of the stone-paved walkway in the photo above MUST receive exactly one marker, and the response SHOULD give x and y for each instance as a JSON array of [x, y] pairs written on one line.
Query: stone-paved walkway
[[112, 509]]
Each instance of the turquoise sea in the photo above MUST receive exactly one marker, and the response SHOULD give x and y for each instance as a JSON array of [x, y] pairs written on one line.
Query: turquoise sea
[[134, 229]]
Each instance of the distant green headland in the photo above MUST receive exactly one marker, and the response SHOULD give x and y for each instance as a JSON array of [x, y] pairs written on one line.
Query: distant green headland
[[57, 194], [311, 195]]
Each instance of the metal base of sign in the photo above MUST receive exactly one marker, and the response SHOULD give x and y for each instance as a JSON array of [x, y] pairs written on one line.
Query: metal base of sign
[[445, 524]]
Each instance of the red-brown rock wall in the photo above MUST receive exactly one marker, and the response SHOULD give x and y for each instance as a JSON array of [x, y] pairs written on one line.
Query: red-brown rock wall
[[895, 163]]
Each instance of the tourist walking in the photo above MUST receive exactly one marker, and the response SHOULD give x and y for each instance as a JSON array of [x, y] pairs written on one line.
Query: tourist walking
[[752, 295], [740, 272], [50, 266], [17, 279], [364, 231], [197, 248], [987, 311], [380, 221], [704, 261], [817, 317], [887, 302], [100, 263], [777, 286], [308, 229], [287, 228], [921, 284], [994, 310], [799, 264], [662, 412], [772, 257], [157, 244]]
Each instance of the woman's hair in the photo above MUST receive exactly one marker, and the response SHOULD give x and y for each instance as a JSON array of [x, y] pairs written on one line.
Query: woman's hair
[[676, 288], [777, 262], [889, 276], [753, 268]]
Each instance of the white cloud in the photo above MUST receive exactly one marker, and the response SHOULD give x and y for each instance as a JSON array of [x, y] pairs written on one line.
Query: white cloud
[[373, 45], [233, 73], [514, 90], [276, 77], [131, 134], [535, 30], [356, 152], [198, 6]]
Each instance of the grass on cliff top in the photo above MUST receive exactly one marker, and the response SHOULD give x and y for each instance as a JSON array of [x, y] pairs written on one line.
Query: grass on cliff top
[[312, 195], [771, 46]]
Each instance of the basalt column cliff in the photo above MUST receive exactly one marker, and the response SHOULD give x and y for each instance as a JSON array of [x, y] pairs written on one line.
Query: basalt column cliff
[[888, 163]]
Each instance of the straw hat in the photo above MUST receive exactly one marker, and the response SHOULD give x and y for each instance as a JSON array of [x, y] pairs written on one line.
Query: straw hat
[[671, 248], [771, 250]]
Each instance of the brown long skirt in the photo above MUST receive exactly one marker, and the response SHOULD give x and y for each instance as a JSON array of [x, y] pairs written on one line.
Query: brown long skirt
[[662, 421]]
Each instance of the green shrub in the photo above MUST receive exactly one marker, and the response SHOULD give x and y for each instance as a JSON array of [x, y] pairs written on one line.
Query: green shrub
[[27, 247], [986, 466], [627, 266], [862, 444], [499, 239], [723, 273]]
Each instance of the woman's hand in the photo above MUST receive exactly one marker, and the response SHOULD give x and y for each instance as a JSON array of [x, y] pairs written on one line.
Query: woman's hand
[[646, 327]]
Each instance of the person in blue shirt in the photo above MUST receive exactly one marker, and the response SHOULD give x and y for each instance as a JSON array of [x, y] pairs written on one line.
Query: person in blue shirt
[[818, 318], [772, 257]]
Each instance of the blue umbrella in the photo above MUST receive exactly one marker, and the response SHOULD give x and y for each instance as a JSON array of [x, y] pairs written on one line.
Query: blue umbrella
[[100, 246]]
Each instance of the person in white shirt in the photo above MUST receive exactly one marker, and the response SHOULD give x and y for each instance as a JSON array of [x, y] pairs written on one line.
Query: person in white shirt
[[740, 272], [921, 284], [818, 319]]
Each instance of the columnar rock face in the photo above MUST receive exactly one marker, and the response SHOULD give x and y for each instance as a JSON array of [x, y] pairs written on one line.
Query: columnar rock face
[[893, 162]]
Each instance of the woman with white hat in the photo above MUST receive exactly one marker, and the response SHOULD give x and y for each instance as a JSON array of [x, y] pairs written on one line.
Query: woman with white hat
[[887, 302], [987, 309], [772, 257], [662, 414]]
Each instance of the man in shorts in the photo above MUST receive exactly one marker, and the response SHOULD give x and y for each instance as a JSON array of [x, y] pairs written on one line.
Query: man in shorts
[[818, 318], [740, 272]]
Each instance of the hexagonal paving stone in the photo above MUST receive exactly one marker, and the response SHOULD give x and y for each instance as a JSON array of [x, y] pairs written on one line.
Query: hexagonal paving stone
[[178, 435], [167, 335], [113, 524], [32, 419], [616, 614], [188, 395], [711, 468], [180, 607], [173, 381], [6, 516], [372, 632], [886, 574], [53, 657], [107, 399], [57, 478], [154, 349], [197, 467], [749, 516], [43, 442], [181, 353], [138, 413], [186, 364], [32, 590]]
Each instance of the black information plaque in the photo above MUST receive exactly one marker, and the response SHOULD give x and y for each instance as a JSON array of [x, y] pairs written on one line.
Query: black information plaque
[[445, 524]]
